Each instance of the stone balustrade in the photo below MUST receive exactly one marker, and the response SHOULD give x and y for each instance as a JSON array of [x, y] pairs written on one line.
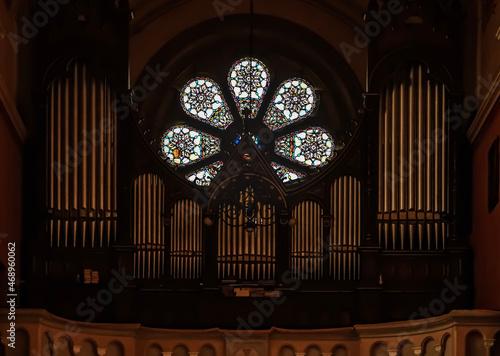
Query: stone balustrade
[[459, 333]]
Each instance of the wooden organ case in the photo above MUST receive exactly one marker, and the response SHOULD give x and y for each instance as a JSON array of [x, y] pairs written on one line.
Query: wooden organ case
[[371, 238]]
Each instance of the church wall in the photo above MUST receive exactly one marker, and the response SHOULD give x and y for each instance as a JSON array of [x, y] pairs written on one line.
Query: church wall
[[485, 225], [9, 44], [10, 193], [489, 37], [10, 179], [483, 131], [149, 37], [11, 132]]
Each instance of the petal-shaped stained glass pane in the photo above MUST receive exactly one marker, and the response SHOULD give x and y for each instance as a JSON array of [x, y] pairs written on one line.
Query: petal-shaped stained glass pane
[[312, 147], [182, 145], [248, 79], [202, 99], [286, 174], [294, 100], [204, 176]]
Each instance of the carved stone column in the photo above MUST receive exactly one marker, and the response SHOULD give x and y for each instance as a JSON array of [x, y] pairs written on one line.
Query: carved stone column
[[488, 344]]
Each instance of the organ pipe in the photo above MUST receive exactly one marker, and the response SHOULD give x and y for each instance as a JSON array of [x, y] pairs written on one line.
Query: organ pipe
[[346, 228], [186, 240], [307, 241], [245, 255], [147, 226], [413, 163], [81, 160]]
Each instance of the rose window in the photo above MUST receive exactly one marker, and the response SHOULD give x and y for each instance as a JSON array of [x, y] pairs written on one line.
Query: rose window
[[305, 147]]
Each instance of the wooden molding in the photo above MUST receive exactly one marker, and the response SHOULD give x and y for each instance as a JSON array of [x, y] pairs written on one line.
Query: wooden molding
[[485, 110]]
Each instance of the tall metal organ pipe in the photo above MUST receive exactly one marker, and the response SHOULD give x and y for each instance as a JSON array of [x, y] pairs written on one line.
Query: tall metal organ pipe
[[346, 228], [186, 240], [148, 226], [307, 241], [242, 254], [413, 162], [81, 160]]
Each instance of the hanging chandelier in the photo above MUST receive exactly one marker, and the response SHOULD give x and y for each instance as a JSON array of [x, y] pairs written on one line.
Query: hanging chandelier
[[249, 208]]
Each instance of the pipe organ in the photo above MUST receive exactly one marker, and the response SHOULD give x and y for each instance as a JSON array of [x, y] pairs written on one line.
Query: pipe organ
[[307, 241], [195, 180], [81, 160], [413, 163], [186, 240], [247, 253], [148, 226], [346, 228], [413, 192]]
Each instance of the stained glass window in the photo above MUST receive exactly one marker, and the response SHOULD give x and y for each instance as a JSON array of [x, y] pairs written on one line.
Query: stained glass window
[[255, 139], [202, 99], [204, 176], [286, 174], [294, 100], [313, 147], [182, 145], [248, 80]]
